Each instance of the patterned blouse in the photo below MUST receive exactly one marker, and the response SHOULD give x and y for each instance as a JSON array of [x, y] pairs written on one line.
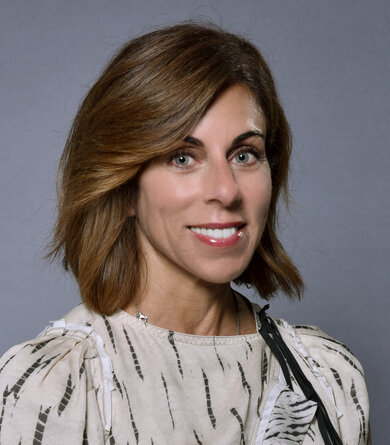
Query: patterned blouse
[[92, 379]]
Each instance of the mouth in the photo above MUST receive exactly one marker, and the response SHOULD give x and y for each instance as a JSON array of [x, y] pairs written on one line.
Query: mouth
[[219, 234], [215, 233]]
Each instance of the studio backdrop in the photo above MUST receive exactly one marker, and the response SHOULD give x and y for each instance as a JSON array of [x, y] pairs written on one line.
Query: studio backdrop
[[332, 66]]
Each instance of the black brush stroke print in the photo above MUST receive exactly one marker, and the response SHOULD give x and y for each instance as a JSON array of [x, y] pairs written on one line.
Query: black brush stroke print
[[168, 402], [336, 376], [291, 417], [362, 420], [6, 393], [244, 381], [41, 345], [264, 369], [40, 427], [82, 369], [219, 359], [6, 363], [346, 358], [249, 345], [198, 441], [117, 384], [241, 423], [110, 333], [172, 343], [258, 407], [132, 421], [22, 380], [67, 395], [133, 355], [337, 342], [111, 437], [303, 326], [311, 433], [316, 363], [210, 412]]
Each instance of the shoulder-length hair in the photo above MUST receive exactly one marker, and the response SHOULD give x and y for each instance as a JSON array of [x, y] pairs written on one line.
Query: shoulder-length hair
[[147, 99]]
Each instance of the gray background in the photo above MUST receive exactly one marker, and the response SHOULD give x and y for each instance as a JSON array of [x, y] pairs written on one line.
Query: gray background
[[331, 61]]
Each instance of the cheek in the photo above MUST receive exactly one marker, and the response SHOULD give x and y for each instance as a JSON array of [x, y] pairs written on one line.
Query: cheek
[[258, 192], [268, 192], [161, 195]]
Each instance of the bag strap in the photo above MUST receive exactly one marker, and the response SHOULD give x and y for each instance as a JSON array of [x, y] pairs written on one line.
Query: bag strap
[[271, 335]]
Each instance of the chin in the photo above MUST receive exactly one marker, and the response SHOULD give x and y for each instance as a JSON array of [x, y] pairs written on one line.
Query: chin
[[222, 275]]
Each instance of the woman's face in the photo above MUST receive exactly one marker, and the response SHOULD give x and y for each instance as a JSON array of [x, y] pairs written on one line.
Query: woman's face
[[201, 211]]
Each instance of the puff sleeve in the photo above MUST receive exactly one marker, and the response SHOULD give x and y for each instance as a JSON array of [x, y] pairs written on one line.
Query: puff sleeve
[[345, 376], [51, 391]]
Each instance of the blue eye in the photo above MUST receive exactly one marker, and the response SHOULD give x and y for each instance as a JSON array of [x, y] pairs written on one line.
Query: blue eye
[[182, 159], [245, 157]]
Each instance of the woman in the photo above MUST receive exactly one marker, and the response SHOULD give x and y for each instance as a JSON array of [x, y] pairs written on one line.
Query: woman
[[170, 180]]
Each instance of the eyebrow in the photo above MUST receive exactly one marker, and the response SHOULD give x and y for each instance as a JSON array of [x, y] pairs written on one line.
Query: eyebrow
[[237, 140]]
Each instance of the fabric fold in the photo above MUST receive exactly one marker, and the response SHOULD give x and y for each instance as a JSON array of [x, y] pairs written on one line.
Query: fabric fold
[[287, 416]]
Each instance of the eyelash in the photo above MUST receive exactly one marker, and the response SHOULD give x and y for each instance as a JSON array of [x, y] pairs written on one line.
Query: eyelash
[[182, 152], [259, 156]]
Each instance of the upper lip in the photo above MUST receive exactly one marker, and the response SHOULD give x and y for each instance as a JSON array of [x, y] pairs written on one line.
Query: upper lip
[[219, 225]]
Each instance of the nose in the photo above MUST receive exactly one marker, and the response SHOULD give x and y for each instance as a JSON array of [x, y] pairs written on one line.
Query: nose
[[220, 184]]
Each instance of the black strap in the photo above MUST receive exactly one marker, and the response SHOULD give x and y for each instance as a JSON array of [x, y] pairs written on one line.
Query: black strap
[[269, 331]]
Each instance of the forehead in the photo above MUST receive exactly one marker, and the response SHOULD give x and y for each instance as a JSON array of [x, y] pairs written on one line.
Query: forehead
[[234, 111]]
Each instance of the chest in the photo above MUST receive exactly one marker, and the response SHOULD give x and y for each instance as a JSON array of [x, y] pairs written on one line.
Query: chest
[[169, 390], [175, 389]]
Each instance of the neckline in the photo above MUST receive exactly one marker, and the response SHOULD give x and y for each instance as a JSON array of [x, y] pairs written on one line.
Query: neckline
[[205, 340]]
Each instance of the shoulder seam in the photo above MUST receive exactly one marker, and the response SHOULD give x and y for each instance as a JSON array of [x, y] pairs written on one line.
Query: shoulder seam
[[306, 356], [108, 382], [335, 347]]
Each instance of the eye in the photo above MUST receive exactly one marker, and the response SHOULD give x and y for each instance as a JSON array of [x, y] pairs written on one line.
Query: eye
[[181, 159], [246, 157]]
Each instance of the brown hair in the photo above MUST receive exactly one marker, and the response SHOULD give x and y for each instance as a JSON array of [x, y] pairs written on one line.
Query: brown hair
[[148, 98]]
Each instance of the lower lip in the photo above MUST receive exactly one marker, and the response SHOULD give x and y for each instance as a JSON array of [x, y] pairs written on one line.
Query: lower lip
[[220, 242]]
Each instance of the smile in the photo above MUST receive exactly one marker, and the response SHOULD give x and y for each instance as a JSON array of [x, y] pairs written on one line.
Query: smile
[[219, 235], [215, 233]]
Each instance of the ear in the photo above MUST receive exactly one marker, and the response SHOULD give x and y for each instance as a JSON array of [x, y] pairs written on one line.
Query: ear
[[131, 211]]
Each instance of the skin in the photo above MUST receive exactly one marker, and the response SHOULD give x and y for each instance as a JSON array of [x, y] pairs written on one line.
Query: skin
[[212, 180]]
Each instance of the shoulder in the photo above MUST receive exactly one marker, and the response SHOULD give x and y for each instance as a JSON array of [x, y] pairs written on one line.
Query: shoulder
[[68, 341], [330, 351], [338, 370], [46, 383], [324, 352]]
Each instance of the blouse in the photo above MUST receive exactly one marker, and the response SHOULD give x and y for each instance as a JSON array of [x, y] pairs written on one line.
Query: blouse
[[96, 379]]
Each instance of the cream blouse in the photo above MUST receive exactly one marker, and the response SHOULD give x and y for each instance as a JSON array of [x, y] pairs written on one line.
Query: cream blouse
[[92, 379]]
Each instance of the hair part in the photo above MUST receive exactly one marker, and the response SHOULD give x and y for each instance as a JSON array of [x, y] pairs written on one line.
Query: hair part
[[145, 102]]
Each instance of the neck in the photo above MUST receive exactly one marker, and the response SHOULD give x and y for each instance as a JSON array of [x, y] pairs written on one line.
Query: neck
[[199, 309], [175, 300]]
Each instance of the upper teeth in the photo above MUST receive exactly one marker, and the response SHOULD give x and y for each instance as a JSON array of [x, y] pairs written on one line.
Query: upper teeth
[[215, 233]]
